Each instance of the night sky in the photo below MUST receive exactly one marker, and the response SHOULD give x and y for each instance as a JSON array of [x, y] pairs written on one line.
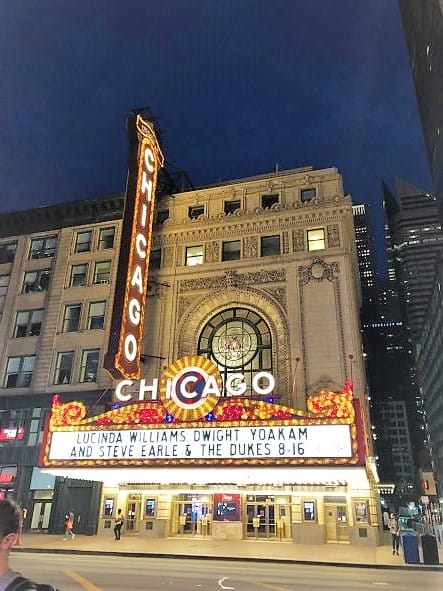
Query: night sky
[[238, 86]]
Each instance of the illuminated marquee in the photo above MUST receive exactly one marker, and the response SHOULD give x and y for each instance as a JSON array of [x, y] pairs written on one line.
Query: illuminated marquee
[[123, 357], [220, 443], [207, 430]]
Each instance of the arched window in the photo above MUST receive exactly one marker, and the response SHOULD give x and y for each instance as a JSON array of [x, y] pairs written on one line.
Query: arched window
[[237, 340]]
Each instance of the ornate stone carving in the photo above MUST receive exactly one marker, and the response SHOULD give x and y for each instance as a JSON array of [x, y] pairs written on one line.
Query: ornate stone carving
[[307, 179], [324, 383], [250, 246], [298, 240], [319, 270], [333, 235], [279, 293], [184, 303], [212, 252], [285, 243], [232, 278]]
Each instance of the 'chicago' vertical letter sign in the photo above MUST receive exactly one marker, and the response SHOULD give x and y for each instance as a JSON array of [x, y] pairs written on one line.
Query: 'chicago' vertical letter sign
[[123, 357]]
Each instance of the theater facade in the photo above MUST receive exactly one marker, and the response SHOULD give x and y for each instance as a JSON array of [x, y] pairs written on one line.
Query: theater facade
[[238, 400]]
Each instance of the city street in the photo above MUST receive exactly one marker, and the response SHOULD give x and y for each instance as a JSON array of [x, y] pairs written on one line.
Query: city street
[[116, 573]]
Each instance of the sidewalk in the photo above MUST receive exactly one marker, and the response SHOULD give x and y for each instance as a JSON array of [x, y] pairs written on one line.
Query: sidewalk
[[185, 547]]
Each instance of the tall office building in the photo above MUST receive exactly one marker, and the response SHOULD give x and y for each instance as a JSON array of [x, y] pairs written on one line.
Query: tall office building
[[415, 247], [391, 380], [366, 259], [388, 357], [423, 25], [417, 240]]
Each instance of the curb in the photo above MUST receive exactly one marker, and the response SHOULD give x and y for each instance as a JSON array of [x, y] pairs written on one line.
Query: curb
[[415, 567]]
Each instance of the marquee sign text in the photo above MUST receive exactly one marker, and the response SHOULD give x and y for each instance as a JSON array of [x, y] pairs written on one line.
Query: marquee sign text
[[219, 443]]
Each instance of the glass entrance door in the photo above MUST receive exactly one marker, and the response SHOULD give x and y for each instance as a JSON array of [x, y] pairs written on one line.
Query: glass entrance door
[[192, 515], [133, 509], [266, 517]]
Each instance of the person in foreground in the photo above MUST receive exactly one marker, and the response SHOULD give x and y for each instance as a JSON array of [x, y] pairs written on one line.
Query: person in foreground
[[9, 528]]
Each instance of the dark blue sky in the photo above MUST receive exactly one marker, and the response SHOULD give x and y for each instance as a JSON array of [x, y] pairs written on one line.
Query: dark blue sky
[[237, 85]]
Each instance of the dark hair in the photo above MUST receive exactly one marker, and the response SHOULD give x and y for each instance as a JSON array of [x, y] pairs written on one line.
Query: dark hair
[[9, 518]]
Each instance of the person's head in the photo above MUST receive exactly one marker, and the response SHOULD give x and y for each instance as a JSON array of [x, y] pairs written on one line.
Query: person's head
[[9, 524]]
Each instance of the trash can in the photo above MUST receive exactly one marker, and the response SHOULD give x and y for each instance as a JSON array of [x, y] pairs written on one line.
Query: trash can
[[430, 549], [410, 548]]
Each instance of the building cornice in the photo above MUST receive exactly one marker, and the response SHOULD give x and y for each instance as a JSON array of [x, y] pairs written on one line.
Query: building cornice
[[61, 215]]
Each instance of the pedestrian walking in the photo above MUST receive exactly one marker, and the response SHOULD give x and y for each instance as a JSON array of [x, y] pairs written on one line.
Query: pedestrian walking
[[394, 529], [10, 517], [118, 524], [69, 526]]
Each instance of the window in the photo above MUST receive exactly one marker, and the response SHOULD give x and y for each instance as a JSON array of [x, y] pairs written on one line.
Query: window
[[231, 250], [309, 511], [108, 506], [96, 315], [4, 284], [316, 239], [43, 247], [71, 318], [63, 367], [162, 216], [78, 275], [36, 427], [150, 508], [196, 211], [361, 512], [231, 206], [28, 323], [194, 255], [19, 371], [83, 242], [7, 252], [270, 245], [106, 238], [89, 367], [268, 201], [12, 432], [307, 194], [237, 340], [36, 281], [155, 258], [102, 272]]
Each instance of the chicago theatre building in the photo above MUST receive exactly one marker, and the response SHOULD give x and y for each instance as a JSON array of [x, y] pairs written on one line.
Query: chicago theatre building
[[247, 416]]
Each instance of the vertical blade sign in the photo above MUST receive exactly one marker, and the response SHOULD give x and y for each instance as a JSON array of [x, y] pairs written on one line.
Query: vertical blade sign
[[123, 357]]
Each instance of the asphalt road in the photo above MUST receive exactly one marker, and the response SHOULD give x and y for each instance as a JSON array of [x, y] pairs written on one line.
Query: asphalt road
[[119, 573]]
